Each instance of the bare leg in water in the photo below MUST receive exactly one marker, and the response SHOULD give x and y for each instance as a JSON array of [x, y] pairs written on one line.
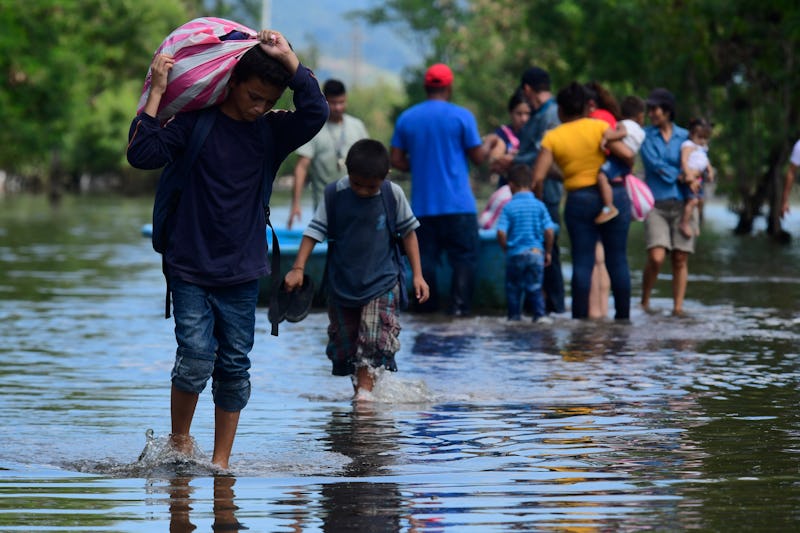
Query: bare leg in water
[[600, 287], [364, 379], [183, 407], [655, 258], [226, 423]]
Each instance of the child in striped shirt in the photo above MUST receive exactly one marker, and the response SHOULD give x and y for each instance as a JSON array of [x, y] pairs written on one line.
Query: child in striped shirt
[[526, 232]]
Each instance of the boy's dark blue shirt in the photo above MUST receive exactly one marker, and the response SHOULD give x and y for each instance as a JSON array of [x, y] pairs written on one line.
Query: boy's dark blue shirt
[[362, 265], [219, 236]]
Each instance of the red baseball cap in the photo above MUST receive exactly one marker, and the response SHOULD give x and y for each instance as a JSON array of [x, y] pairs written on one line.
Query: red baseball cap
[[438, 75]]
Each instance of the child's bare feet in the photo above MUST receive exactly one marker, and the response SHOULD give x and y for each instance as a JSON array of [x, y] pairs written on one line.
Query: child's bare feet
[[606, 214], [363, 397], [364, 379]]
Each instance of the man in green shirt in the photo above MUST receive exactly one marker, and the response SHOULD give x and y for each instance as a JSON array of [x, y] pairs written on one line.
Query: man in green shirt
[[322, 158]]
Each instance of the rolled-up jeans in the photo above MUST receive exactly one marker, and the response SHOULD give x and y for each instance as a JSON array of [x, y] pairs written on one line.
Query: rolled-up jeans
[[580, 210], [215, 329]]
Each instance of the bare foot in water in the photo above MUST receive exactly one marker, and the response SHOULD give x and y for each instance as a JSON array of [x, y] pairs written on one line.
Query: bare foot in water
[[363, 383], [647, 309], [183, 444]]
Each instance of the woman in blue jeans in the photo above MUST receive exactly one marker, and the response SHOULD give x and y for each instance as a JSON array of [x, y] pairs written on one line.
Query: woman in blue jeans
[[575, 147]]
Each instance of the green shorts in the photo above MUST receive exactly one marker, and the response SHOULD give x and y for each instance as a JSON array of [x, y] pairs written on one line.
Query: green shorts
[[661, 227]]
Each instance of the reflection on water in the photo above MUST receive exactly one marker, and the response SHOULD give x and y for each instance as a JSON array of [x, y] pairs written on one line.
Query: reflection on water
[[660, 424], [368, 438], [181, 505]]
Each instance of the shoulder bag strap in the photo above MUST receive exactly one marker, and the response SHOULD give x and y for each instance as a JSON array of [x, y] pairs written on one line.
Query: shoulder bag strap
[[205, 121]]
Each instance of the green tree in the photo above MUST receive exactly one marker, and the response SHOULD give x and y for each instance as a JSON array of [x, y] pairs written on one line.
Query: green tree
[[67, 89]]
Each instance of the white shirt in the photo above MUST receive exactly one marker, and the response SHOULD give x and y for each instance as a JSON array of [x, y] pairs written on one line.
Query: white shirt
[[698, 158], [635, 135], [795, 158]]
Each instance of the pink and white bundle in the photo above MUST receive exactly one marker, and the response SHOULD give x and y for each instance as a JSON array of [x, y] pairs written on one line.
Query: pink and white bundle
[[641, 197], [203, 64]]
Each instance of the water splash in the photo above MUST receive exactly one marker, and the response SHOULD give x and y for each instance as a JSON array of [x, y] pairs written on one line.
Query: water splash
[[391, 389], [158, 459]]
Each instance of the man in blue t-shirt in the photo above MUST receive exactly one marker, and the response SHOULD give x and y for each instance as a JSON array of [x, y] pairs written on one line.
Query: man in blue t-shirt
[[435, 140]]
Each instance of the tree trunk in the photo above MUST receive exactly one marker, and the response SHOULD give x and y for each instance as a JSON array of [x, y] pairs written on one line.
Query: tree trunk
[[768, 191], [55, 188]]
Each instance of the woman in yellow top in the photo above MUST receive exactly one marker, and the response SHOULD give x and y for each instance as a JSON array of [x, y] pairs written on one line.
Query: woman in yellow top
[[575, 146]]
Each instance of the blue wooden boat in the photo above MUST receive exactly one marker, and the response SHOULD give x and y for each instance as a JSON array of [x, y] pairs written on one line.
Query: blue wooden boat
[[489, 290]]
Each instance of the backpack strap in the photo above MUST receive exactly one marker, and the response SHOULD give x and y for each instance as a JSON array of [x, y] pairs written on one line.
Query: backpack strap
[[330, 212], [390, 205], [275, 262], [198, 136], [275, 268], [396, 240]]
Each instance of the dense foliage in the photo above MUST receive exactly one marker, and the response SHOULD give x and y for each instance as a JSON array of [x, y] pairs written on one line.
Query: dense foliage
[[72, 72]]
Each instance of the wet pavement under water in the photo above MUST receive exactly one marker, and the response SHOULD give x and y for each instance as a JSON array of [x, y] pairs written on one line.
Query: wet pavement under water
[[662, 424]]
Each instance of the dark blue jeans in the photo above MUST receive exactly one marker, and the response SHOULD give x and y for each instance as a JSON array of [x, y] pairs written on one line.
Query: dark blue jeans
[[581, 207], [524, 278], [553, 284], [456, 235], [215, 329]]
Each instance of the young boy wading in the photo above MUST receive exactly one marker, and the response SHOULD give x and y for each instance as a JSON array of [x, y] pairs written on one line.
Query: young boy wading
[[363, 267], [218, 250]]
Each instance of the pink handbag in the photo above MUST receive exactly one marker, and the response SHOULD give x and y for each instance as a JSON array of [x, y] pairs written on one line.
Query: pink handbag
[[641, 197], [203, 64]]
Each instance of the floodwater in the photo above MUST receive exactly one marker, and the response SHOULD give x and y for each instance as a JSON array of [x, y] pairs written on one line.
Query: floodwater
[[662, 424]]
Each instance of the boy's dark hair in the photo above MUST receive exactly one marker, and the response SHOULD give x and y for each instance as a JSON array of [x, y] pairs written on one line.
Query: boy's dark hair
[[572, 100], [255, 63], [521, 176], [537, 78], [632, 106], [517, 98], [333, 87], [700, 125], [368, 159]]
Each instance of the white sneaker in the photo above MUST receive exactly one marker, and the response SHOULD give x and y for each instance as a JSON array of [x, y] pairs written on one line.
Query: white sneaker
[[545, 320]]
